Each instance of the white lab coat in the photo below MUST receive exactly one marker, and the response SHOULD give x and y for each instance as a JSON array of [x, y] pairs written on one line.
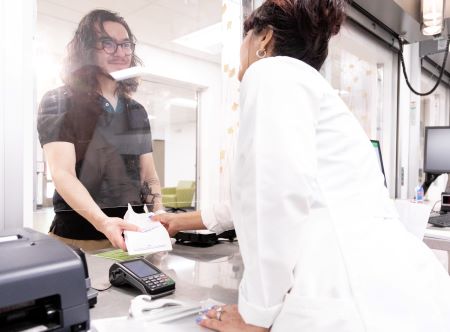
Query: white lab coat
[[321, 242], [217, 218]]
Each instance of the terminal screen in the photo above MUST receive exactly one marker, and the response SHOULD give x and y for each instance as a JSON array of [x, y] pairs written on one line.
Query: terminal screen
[[140, 268]]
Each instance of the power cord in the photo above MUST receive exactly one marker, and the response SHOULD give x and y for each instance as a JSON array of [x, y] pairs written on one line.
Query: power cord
[[102, 290], [400, 42]]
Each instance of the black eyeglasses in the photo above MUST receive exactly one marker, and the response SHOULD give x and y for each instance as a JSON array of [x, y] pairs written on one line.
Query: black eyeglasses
[[110, 46]]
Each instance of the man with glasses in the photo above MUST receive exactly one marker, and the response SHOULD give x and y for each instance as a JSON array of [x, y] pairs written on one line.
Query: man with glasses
[[97, 139], [110, 46]]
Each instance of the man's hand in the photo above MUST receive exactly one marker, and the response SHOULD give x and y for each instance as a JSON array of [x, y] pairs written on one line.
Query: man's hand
[[113, 229]]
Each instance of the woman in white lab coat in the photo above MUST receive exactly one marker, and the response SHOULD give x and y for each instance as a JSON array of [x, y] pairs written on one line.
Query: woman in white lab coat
[[322, 246]]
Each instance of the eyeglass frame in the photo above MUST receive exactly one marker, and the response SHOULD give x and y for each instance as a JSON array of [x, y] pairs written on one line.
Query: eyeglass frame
[[103, 40]]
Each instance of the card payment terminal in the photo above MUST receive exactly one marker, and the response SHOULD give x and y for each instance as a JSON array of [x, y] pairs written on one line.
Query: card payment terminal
[[143, 275]]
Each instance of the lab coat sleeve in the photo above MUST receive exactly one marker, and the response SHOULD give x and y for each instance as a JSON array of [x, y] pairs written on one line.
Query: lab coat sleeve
[[217, 218], [275, 179]]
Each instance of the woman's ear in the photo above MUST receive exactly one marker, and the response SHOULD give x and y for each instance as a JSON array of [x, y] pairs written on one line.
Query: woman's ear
[[265, 40]]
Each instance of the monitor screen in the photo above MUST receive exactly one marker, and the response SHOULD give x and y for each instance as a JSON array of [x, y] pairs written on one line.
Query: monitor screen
[[376, 146], [437, 150]]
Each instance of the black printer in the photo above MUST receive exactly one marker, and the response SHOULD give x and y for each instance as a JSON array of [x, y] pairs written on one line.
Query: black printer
[[42, 284]]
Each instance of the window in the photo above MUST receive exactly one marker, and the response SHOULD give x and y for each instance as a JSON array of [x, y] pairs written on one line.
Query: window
[[364, 72], [180, 43]]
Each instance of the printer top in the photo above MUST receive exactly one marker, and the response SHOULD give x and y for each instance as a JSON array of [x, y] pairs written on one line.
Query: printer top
[[41, 278], [33, 265]]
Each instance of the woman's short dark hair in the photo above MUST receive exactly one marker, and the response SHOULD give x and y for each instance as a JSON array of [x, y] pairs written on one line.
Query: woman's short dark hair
[[80, 68], [301, 28]]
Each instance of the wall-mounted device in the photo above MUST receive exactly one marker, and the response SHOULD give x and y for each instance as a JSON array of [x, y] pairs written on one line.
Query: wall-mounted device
[[445, 202], [203, 238], [142, 275], [443, 218]]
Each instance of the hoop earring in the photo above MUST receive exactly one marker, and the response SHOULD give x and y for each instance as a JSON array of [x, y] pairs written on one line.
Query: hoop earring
[[261, 53]]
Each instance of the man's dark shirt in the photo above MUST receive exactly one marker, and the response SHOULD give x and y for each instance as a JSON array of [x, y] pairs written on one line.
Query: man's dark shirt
[[108, 144]]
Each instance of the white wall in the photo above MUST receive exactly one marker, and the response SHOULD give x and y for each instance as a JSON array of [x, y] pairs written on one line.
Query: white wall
[[17, 21], [178, 69], [180, 153]]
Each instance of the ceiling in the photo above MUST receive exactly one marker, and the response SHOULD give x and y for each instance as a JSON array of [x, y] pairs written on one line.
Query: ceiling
[[159, 22], [412, 7], [154, 22], [402, 18]]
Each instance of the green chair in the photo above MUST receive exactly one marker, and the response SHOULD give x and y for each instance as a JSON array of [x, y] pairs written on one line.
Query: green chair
[[180, 197]]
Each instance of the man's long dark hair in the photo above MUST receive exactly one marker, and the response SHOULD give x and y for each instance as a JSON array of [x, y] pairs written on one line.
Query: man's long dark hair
[[80, 68]]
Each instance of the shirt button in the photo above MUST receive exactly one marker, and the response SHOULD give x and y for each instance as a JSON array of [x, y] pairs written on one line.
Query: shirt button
[[106, 104]]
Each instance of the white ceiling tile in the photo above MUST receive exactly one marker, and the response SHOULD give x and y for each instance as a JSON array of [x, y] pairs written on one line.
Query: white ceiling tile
[[154, 22], [85, 6]]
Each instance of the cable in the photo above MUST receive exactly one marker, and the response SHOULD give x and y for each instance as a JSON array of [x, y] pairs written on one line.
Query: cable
[[102, 290], [402, 60]]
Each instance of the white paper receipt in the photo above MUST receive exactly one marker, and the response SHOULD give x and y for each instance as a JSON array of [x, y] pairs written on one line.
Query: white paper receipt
[[153, 238]]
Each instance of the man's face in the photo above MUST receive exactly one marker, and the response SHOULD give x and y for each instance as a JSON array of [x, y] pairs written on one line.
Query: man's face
[[116, 33]]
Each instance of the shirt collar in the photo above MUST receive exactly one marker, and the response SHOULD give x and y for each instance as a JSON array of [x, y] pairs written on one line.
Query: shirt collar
[[107, 107]]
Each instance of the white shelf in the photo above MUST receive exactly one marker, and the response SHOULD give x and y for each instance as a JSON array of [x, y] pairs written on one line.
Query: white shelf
[[129, 73]]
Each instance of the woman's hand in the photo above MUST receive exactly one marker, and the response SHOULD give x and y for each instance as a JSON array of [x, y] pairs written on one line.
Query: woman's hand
[[227, 319], [176, 222], [171, 221], [113, 229]]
